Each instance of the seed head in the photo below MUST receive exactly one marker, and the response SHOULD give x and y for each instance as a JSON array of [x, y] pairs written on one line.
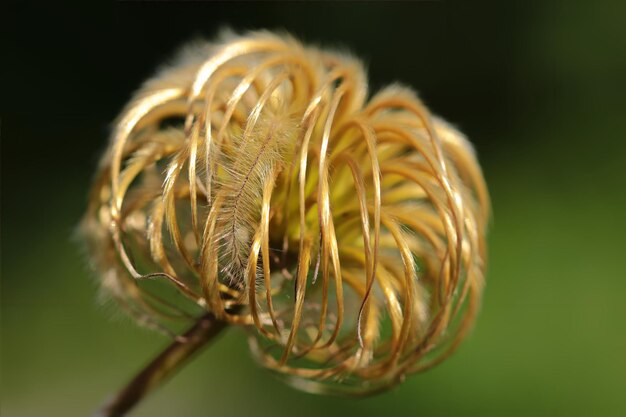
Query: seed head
[[255, 179]]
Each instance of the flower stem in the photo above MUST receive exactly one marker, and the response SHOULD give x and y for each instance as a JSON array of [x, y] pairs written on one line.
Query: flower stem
[[163, 366]]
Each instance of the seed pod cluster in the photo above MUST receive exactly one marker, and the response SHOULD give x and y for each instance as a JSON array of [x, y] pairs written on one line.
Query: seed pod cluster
[[255, 178]]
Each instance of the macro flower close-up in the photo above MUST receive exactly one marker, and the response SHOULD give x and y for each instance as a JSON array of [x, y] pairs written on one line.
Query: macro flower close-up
[[329, 209]]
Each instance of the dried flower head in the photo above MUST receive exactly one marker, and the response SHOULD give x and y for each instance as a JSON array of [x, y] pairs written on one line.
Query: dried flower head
[[253, 179]]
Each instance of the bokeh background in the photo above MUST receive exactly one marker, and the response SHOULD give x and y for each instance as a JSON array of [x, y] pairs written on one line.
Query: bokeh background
[[540, 88]]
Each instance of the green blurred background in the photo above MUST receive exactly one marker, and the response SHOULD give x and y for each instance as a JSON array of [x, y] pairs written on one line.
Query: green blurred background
[[540, 88]]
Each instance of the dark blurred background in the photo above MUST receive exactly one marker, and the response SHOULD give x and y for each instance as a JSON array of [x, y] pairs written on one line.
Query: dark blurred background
[[539, 87]]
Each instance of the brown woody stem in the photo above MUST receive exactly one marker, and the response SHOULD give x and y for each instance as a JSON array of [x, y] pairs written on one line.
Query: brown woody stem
[[163, 366]]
